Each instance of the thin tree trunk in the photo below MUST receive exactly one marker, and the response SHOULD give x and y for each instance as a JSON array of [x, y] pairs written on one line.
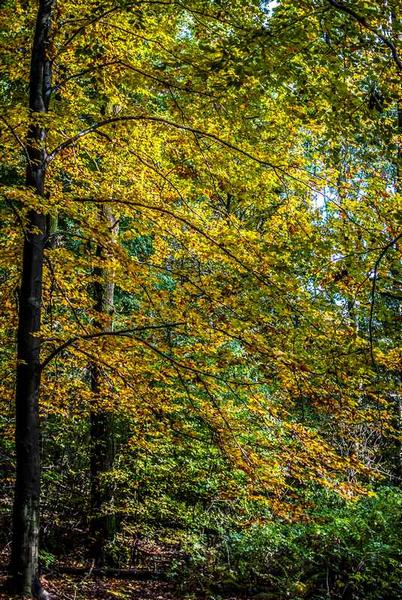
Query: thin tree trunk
[[102, 437], [24, 555], [398, 400], [397, 470]]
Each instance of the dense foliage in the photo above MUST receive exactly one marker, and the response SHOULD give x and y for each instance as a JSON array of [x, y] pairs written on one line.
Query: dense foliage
[[214, 190]]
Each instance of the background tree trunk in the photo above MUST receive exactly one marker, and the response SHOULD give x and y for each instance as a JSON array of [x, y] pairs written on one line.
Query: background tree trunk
[[102, 435], [24, 556]]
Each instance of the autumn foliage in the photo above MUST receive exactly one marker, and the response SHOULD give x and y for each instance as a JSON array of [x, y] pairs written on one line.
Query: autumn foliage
[[221, 282]]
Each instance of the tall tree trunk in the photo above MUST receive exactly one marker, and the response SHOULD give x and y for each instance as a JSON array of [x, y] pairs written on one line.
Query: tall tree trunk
[[24, 555], [102, 440]]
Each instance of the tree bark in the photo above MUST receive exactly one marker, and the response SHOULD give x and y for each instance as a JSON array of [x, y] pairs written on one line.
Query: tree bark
[[24, 555], [102, 437]]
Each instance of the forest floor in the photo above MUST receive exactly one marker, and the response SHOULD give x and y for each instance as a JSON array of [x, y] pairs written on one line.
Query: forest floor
[[96, 588], [108, 588], [73, 580]]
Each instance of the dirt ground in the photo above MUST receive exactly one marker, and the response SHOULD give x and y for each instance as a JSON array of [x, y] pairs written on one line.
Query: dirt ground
[[95, 588]]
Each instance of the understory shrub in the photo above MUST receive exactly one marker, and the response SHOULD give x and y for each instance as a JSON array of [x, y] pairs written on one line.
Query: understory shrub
[[348, 551]]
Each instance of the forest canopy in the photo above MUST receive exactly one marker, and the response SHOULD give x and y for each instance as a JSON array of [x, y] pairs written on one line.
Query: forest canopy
[[201, 287]]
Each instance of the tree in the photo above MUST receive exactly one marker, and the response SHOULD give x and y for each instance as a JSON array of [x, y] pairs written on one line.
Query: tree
[[216, 130], [102, 434], [24, 558]]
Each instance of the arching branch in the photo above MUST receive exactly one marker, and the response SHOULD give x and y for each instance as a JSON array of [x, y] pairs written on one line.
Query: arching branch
[[99, 334], [360, 19], [373, 290], [151, 119]]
